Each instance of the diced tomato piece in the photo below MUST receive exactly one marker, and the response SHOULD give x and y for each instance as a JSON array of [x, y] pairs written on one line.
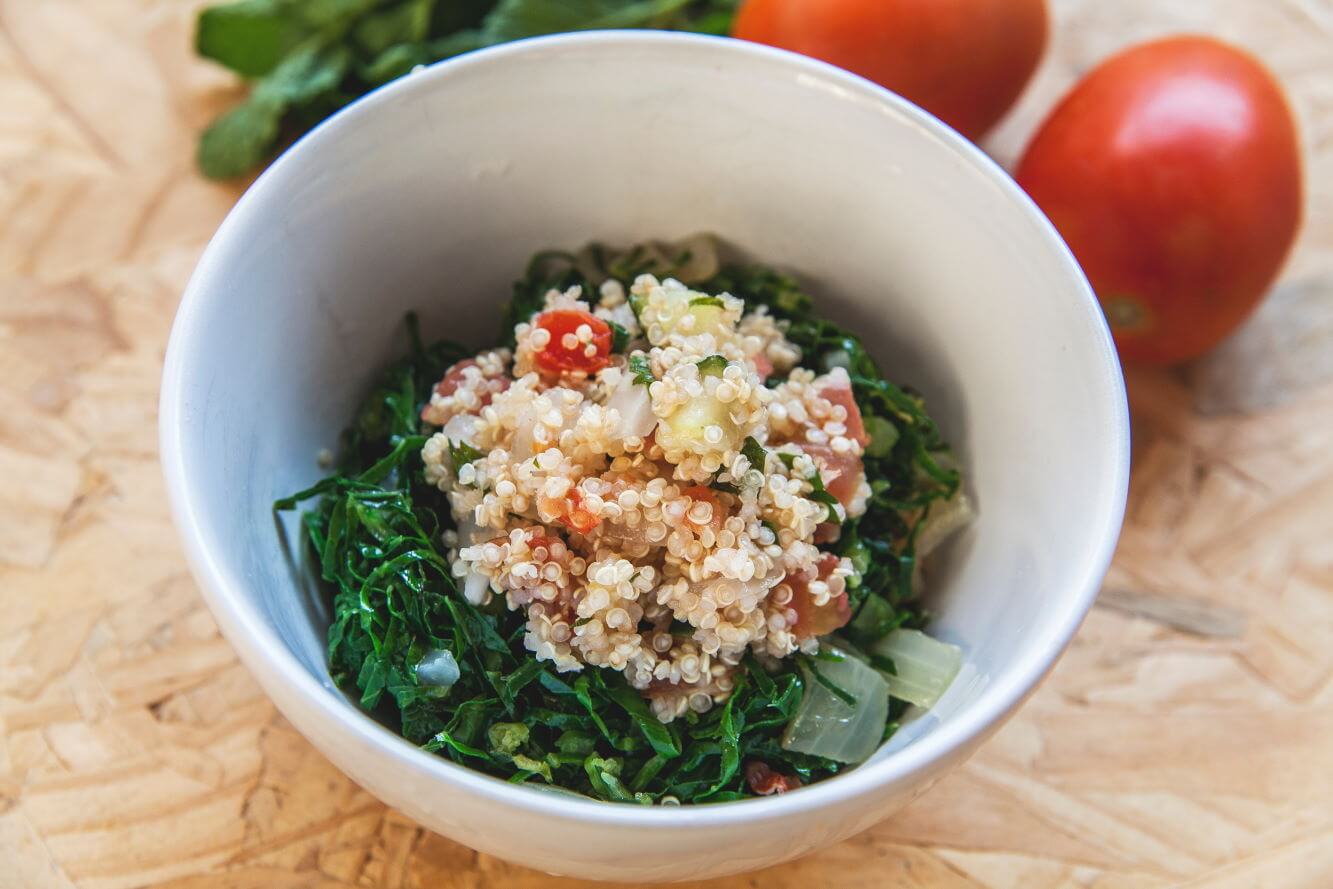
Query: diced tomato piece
[[453, 378], [556, 357], [576, 518], [535, 541], [762, 365], [841, 473], [812, 619], [827, 532], [842, 395], [764, 781], [707, 495]]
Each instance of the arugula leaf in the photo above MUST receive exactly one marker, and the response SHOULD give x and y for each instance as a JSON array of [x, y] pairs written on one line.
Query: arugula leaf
[[659, 736], [238, 140], [243, 136], [250, 37], [515, 19], [400, 25], [443, 739], [376, 41], [760, 285]]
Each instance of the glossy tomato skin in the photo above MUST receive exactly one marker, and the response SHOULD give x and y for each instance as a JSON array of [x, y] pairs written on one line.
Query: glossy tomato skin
[[965, 61], [587, 356], [1173, 172]]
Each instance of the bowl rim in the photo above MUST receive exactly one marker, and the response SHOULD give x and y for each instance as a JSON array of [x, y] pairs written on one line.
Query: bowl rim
[[285, 680]]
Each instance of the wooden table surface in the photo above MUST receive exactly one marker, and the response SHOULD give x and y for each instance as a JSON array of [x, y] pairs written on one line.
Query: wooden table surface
[[1185, 739]]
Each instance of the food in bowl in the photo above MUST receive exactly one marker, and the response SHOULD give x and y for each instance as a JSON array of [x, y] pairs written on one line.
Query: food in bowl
[[661, 543]]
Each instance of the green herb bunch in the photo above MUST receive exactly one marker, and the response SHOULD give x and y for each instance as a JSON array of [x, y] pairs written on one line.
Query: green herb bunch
[[306, 59], [376, 535]]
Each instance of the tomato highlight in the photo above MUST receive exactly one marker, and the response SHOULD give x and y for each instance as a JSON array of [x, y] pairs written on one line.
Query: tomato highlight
[[577, 341]]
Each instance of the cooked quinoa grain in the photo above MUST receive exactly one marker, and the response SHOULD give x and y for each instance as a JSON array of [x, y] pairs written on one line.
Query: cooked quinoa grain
[[609, 510]]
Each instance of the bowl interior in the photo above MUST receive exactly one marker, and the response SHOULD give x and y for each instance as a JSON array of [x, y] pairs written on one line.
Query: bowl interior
[[431, 196]]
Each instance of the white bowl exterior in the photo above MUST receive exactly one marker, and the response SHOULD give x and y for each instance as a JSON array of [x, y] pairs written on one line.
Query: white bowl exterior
[[431, 195]]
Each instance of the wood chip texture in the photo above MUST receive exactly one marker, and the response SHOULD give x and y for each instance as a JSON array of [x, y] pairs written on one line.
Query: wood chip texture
[[1186, 739]]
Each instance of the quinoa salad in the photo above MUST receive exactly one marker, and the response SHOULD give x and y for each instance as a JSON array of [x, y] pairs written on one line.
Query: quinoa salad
[[661, 543]]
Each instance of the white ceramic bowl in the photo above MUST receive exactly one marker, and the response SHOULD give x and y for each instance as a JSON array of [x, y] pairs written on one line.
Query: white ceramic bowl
[[431, 194]]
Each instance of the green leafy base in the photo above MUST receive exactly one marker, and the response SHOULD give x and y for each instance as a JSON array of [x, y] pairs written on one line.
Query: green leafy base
[[376, 530], [308, 58]]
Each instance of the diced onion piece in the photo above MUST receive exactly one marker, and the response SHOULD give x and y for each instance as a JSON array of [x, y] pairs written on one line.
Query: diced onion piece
[[469, 532], [438, 668], [826, 725], [520, 447], [925, 666], [837, 358], [942, 521], [476, 587], [461, 427], [702, 263], [631, 401]]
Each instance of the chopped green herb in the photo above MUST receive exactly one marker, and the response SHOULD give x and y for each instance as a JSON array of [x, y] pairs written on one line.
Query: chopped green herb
[[641, 369], [461, 453], [619, 337], [706, 301], [754, 453], [818, 493], [712, 366], [308, 58]]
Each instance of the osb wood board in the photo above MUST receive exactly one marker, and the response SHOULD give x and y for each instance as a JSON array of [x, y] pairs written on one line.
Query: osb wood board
[[1185, 739]]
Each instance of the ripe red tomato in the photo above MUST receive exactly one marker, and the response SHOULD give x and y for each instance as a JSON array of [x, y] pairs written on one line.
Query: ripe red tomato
[[812, 619], [764, 781], [1173, 172], [717, 519], [589, 355], [576, 517], [856, 427], [965, 61]]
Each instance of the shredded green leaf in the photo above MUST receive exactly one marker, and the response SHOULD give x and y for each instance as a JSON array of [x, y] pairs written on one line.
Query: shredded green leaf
[[641, 369], [375, 530], [754, 453], [712, 366], [308, 58], [461, 453]]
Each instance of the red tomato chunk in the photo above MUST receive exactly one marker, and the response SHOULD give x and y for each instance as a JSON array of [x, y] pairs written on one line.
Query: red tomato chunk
[[576, 517], [571, 348], [764, 781], [812, 619], [842, 395], [841, 472]]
